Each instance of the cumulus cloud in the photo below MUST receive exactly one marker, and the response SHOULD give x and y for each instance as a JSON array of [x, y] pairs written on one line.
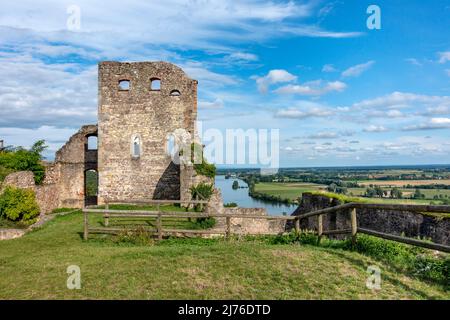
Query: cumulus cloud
[[34, 94], [273, 77], [433, 123], [399, 100], [357, 70], [313, 88], [374, 128]]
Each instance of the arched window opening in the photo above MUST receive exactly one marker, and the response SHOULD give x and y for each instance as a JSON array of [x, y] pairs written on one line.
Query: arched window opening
[[170, 146], [91, 183], [175, 93], [124, 85], [92, 143], [155, 84], [136, 148]]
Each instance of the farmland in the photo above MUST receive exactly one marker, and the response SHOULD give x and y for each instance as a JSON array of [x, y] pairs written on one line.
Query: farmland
[[408, 185]]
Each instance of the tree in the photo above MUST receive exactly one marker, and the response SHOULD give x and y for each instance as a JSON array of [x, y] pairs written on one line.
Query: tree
[[235, 185], [21, 159], [417, 194], [396, 193]]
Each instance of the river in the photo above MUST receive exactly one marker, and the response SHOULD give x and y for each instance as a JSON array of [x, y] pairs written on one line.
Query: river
[[243, 200]]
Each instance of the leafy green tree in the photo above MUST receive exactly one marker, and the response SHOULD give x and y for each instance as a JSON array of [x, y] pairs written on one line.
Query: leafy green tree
[[235, 185], [20, 159]]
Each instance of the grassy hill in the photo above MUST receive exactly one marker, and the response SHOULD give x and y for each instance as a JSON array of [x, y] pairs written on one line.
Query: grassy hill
[[34, 267]]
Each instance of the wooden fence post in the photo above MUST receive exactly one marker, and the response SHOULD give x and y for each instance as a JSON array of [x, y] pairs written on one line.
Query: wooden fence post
[[297, 226], [159, 223], [228, 228], [319, 228], [354, 226], [86, 226], [107, 215]]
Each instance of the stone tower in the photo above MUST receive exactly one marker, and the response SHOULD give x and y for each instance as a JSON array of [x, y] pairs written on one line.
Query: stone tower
[[140, 105]]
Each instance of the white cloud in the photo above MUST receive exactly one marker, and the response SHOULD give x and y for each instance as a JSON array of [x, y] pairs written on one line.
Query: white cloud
[[216, 104], [243, 56], [433, 123], [444, 57], [398, 100], [414, 62], [357, 70], [313, 88], [273, 77], [323, 135], [199, 72], [374, 128], [329, 68], [296, 113], [34, 94]]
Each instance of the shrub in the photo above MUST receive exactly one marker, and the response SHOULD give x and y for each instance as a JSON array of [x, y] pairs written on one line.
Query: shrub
[[138, 236], [204, 168], [202, 191], [19, 205], [203, 223]]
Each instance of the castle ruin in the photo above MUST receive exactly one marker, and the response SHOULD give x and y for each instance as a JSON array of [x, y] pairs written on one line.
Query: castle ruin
[[140, 104]]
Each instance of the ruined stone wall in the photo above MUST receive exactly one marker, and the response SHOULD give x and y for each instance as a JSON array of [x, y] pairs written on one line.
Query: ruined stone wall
[[71, 163], [410, 224], [148, 114]]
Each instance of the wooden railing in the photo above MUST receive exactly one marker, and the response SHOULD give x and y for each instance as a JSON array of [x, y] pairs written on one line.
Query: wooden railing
[[352, 207], [159, 231]]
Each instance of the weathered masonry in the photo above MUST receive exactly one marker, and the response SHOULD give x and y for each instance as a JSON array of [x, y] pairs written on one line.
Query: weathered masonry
[[140, 105]]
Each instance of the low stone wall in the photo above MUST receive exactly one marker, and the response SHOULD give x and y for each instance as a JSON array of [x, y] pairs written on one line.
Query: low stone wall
[[410, 224], [7, 234], [243, 225], [46, 194]]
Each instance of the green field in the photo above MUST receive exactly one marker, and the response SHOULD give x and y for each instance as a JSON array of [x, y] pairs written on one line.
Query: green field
[[293, 191], [34, 267], [290, 191]]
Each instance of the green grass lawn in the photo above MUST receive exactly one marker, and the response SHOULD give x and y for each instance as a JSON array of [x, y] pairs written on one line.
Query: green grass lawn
[[34, 267]]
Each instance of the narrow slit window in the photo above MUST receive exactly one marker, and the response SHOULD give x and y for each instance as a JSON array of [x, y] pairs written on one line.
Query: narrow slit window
[[155, 84], [136, 149], [124, 85], [175, 93]]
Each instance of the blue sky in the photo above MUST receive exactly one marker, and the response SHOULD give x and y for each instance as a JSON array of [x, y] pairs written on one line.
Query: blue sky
[[340, 94]]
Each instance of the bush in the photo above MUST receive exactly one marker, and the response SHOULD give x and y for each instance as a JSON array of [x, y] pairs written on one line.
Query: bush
[[19, 205], [20, 159]]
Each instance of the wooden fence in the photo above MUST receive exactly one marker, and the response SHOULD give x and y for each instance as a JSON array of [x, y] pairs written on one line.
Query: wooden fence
[[159, 231], [354, 230]]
